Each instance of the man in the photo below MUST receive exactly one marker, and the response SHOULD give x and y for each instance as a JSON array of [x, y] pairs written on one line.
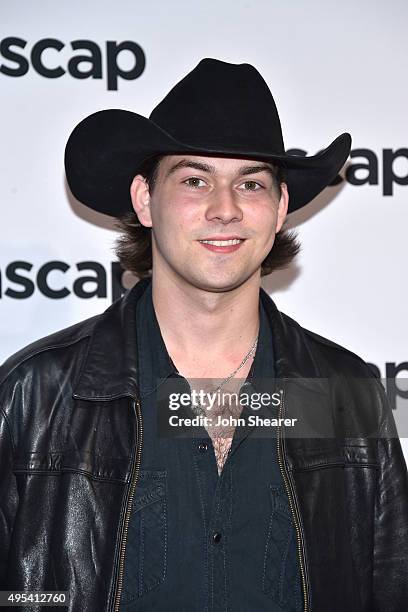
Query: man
[[99, 497]]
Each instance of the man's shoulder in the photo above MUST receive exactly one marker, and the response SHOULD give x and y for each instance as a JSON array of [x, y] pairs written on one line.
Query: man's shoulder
[[57, 360], [319, 340], [323, 348], [75, 336]]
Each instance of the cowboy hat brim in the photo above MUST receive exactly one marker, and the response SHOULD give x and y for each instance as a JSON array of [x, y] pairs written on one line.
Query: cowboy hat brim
[[106, 150]]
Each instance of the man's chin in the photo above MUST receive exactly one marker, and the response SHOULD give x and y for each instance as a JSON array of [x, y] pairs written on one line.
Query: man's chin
[[219, 284]]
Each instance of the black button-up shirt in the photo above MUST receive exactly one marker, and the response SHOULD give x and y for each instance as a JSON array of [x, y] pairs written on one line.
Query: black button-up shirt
[[199, 541]]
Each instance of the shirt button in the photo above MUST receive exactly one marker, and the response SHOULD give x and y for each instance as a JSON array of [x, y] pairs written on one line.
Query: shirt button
[[216, 537], [203, 447]]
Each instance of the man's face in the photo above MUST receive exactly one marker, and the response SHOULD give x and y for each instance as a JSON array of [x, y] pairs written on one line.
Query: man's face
[[213, 220]]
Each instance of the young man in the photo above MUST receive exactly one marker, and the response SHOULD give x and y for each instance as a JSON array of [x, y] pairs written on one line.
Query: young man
[[99, 497]]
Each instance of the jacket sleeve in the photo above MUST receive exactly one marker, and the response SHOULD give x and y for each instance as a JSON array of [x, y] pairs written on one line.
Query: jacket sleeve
[[8, 493], [390, 580]]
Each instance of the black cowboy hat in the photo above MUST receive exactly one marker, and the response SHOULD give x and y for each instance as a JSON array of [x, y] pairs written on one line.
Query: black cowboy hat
[[218, 108]]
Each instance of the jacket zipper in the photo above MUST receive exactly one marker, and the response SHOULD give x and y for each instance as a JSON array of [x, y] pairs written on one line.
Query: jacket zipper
[[291, 496], [132, 490]]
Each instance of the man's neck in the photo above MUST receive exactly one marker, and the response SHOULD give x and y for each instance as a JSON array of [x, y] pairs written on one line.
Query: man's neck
[[207, 334]]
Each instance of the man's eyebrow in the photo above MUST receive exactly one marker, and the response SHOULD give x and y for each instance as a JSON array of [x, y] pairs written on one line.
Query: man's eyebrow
[[253, 169], [188, 163], [243, 171]]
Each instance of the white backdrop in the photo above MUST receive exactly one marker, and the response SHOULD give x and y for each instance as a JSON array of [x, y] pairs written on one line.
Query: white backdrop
[[332, 67]]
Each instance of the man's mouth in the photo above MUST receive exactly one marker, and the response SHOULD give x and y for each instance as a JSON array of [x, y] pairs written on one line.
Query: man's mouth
[[226, 245], [222, 242]]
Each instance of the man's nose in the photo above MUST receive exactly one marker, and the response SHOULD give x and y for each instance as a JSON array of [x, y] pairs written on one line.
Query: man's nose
[[224, 206]]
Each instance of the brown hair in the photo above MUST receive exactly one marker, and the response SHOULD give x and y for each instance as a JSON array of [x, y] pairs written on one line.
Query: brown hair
[[134, 245]]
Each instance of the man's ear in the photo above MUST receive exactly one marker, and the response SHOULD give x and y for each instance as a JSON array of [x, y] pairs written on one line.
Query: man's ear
[[283, 207], [140, 195]]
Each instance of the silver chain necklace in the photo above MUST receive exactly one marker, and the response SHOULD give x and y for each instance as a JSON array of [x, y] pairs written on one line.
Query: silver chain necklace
[[251, 351], [241, 365]]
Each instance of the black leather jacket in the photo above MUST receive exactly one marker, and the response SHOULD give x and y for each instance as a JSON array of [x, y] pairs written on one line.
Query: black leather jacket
[[70, 448]]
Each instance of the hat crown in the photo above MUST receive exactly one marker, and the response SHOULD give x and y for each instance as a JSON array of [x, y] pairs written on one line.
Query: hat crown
[[221, 104]]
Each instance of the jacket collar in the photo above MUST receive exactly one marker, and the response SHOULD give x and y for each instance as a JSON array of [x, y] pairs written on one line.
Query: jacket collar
[[109, 370], [293, 358], [110, 367]]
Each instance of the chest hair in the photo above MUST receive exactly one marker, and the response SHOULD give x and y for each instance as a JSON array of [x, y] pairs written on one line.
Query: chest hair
[[221, 450]]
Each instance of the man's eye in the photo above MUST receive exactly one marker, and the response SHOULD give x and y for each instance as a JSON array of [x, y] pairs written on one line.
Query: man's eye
[[252, 186], [194, 182]]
